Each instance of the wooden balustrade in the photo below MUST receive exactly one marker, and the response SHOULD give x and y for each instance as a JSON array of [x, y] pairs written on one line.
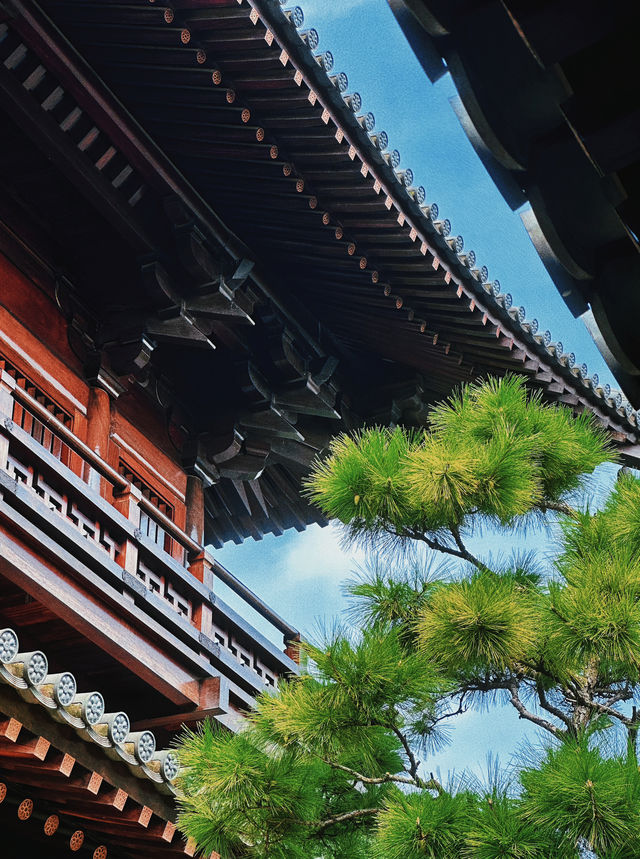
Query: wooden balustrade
[[113, 528], [59, 431], [65, 434]]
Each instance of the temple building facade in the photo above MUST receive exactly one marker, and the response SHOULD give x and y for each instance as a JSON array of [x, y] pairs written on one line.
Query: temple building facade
[[211, 262]]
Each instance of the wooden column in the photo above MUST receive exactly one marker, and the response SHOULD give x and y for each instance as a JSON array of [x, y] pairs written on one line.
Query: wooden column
[[7, 384], [98, 428], [202, 616], [127, 502], [292, 649], [194, 501]]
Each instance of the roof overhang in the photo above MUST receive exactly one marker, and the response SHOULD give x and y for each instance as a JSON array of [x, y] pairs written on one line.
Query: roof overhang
[[282, 278], [559, 131]]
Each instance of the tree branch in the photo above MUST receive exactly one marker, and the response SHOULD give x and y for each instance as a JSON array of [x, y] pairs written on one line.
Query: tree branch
[[461, 709], [559, 507], [623, 695], [434, 784], [466, 554], [413, 763], [384, 779], [537, 668], [437, 546], [632, 735], [610, 711], [512, 688], [340, 818], [485, 684], [555, 711]]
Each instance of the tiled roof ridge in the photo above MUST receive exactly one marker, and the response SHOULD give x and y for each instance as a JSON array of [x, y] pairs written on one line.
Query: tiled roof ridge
[[28, 673], [486, 294]]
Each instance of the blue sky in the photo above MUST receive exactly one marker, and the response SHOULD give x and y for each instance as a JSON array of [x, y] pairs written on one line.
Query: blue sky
[[301, 574]]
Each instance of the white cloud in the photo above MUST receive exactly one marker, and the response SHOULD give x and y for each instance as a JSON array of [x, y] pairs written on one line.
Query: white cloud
[[311, 575], [299, 575], [318, 554]]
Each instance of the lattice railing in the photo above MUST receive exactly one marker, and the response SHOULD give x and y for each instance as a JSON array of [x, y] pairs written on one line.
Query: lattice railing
[[150, 525], [25, 418], [131, 528]]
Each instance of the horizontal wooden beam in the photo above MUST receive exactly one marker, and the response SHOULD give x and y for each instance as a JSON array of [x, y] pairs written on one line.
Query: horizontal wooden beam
[[41, 127], [91, 616], [36, 720]]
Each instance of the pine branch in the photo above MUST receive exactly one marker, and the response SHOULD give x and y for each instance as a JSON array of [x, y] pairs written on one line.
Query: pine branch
[[632, 735], [623, 695], [486, 684], [610, 711], [455, 530], [559, 507], [384, 779], [341, 818], [437, 546], [413, 763], [512, 688], [434, 784], [550, 708], [537, 668], [461, 709], [510, 684]]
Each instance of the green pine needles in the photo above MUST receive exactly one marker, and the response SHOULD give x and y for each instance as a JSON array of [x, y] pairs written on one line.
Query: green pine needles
[[493, 452], [335, 764]]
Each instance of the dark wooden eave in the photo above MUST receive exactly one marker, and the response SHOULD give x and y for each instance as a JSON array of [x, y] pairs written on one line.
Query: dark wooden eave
[[561, 130], [277, 232]]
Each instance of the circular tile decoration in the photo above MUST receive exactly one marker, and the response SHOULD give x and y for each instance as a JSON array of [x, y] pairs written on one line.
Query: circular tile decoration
[[77, 840], [51, 824], [25, 809], [8, 645]]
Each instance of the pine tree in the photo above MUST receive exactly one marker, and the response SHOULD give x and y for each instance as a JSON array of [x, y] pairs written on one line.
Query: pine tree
[[330, 765]]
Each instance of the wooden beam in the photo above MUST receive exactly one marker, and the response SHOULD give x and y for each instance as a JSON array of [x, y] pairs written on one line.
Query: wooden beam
[[33, 749], [59, 763], [130, 817], [89, 780], [10, 729], [124, 831], [88, 755], [116, 798], [214, 701], [42, 128], [91, 616]]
